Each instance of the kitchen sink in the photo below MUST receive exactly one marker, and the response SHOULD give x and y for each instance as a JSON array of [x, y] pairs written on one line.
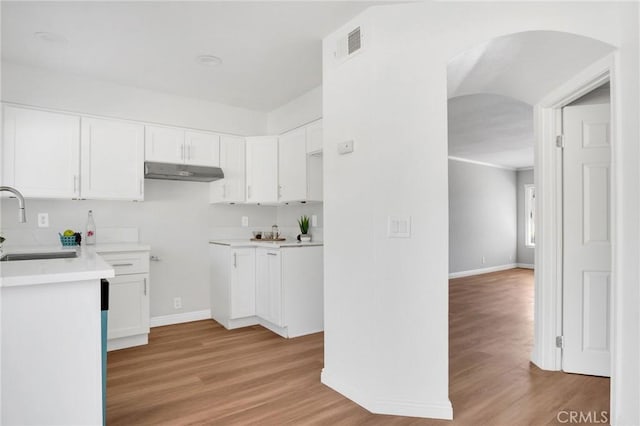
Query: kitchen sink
[[38, 256]]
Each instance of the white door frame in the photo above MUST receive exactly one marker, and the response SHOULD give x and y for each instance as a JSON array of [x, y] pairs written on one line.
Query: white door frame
[[548, 174]]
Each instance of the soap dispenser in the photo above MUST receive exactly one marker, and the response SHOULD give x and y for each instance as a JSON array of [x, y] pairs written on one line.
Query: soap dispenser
[[90, 236]]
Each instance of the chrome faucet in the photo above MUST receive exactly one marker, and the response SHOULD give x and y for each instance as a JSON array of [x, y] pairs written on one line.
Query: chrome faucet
[[22, 217]]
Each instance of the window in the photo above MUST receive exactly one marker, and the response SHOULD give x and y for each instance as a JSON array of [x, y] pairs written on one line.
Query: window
[[530, 212]]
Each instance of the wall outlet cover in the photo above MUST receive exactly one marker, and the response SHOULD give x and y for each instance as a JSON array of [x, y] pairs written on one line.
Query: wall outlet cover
[[43, 220]]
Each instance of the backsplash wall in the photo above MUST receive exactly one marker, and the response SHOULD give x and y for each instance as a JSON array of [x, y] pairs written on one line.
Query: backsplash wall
[[175, 219]]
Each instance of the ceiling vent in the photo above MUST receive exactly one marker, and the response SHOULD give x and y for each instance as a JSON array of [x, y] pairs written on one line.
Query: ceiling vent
[[349, 45]]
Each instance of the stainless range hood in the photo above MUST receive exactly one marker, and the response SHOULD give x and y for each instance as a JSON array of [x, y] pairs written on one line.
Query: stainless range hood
[[168, 171]]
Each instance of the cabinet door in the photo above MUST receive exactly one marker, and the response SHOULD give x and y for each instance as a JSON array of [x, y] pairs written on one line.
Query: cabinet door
[[202, 148], [269, 286], [128, 306], [242, 284], [164, 144], [314, 177], [292, 161], [41, 153], [262, 169], [314, 137], [112, 160], [232, 161]]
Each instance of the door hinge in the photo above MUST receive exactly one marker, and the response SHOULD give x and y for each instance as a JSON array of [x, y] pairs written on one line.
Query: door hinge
[[560, 342], [560, 141]]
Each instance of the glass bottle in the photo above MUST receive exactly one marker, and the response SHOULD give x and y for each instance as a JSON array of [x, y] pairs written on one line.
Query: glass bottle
[[90, 236]]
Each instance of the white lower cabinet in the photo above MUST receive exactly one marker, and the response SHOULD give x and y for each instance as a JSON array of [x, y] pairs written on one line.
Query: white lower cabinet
[[128, 319], [233, 285], [269, 286], [278, 288]]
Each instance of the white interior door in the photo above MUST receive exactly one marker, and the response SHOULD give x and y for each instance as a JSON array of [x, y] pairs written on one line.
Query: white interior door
[[587, 240]]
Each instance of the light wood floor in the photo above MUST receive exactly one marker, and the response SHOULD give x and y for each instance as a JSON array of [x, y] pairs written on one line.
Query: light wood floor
[[200, 373]]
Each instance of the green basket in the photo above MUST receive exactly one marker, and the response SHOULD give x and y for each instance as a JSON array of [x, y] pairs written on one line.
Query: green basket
[[68, 241]]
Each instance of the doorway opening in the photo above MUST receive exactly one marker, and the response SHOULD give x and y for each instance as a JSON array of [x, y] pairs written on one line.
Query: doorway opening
[[519, 72]]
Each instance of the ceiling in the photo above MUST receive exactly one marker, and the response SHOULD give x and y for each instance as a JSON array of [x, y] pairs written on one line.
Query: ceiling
[[524, 66], [493, 86], [492, 129], [271, 51]]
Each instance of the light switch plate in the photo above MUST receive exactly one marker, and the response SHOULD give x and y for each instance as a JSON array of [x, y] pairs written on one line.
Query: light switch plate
[[245, 221], [345, 147], [399, 227], [314, 220]]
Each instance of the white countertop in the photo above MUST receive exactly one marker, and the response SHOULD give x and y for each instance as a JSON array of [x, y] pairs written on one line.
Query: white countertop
[[87, 266], [112, 247], [270, 244]]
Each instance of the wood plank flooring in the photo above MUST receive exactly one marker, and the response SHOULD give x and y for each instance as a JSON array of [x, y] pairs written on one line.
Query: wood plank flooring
[[200, 373]]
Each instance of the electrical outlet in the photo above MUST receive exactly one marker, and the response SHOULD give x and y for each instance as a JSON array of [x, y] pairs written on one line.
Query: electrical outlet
[[43, 220], [484, 260], [177, 303], [245, 221], [314, 220]]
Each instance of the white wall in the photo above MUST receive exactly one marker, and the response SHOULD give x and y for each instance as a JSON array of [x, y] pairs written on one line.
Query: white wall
[[301, 110], [175, 220], [526, 255], [386, 316], [482, 217], [288, 216], [38, 87]]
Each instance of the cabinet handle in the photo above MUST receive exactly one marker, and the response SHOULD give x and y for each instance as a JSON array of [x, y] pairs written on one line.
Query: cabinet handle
[[189, 152], [182, 152], [279, 191], [141, 186], [235, 260], [272, 254], [75, 184], [145, 286], [122, 264], [249, 191]]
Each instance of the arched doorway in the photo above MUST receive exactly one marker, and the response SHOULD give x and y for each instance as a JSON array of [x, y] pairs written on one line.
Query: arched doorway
[[535, 68]]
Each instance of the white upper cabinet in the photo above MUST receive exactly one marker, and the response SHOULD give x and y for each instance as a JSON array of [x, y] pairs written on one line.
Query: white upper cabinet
[[41, 155], [292, 170], [314, 137], [202, 148], [177, 146], [164, 144], [112, 165], [231, 188], [262, 169]]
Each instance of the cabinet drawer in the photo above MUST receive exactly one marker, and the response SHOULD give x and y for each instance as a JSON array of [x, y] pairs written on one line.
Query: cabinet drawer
[[128, 263]]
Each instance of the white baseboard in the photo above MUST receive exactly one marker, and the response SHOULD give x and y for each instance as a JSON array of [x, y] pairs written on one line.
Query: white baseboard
[[526, 265], [482, 270], [127, 342], [438, 410], [180, 318]]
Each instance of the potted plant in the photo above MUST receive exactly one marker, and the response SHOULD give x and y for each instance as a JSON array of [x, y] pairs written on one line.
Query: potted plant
[[303, 223]]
